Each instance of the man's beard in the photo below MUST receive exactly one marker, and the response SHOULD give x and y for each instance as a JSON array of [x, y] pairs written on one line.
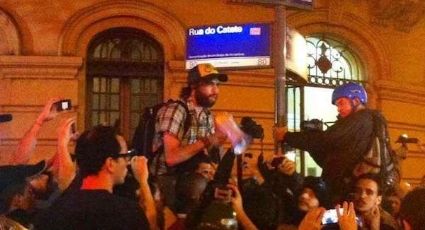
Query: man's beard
[[203, 100]]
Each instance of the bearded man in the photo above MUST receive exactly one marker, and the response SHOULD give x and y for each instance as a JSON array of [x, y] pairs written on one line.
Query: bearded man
[[180, 149]]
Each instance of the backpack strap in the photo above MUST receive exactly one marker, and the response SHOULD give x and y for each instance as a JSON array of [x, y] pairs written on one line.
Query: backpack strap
[[188, 120], [388, 169], [377, 159], [186, 126]]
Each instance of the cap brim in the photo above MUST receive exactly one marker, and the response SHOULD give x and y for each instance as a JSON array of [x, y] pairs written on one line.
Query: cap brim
[[10, 174], [215, 76]]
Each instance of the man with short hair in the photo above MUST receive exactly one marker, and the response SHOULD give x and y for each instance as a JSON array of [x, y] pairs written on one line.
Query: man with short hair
[[180, 150], [206, 169], [392, 201], [367, 202], [412, 210], [102, 158]]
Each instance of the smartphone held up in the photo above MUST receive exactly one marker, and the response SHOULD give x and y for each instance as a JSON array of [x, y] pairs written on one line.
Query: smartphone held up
[[63, 105], [330, 216]]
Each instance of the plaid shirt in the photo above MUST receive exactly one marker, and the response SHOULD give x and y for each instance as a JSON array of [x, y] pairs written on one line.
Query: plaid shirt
[[171, 119]]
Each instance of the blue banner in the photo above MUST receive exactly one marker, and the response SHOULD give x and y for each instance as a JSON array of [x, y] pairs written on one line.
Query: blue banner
[[240, 42]]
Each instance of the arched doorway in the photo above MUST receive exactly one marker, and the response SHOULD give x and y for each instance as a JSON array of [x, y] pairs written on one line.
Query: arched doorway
[[125, 74]]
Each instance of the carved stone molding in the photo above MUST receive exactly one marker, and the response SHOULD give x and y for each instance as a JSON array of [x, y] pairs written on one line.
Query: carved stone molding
[[9, 35], [336, 11], [402, 14], [402, 92], [41, 67], [86, 23]]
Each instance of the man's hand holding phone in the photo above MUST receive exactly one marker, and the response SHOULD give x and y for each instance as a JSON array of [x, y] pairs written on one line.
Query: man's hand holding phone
[[49, 112], [63, 105], [52, 108], [330, 216], [283, 164], [223, 193]]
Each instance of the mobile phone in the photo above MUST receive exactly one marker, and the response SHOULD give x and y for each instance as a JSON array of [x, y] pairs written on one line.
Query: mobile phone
[[223, 193], [63, 105], [277, 161], [330, 216]]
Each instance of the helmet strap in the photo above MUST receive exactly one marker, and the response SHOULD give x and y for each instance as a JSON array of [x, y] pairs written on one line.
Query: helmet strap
[[354, 107]]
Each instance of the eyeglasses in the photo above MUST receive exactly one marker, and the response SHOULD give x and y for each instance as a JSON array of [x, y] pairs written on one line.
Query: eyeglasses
[[127, 155]]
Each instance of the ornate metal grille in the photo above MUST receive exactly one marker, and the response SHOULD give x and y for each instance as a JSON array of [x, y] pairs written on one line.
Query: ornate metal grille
[[330, 63], [124, 75]]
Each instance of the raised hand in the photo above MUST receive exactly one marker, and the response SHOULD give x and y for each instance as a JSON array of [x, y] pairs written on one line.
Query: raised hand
[[287, 167], [346, 218], [279, 133], [139, 165], [312, 220], [49, 112]]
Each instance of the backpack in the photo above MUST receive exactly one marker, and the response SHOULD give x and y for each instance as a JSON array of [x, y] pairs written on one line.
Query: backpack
[[380, 159], [145, 131]]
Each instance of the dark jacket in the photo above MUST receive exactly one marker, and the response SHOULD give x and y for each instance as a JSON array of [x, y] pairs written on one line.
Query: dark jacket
[[338, 149]]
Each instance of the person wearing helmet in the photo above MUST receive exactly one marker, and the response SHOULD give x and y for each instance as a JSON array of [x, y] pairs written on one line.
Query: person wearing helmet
[[341, 150]]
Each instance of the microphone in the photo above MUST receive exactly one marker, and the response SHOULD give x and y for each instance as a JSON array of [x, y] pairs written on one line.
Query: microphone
[[5, 117]]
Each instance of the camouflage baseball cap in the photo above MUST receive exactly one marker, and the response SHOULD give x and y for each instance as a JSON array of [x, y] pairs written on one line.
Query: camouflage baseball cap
[[205, 73]]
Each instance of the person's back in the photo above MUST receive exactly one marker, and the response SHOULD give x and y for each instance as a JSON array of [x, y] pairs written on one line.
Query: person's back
[[92, 209]]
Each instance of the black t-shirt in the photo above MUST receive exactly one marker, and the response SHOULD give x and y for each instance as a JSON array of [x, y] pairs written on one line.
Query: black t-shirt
[[92, 209]]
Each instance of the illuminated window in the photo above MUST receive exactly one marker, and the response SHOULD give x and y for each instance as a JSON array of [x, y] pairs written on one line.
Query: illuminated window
[[124, 75]]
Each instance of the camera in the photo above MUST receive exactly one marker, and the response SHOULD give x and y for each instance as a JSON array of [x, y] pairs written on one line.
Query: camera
[[404, 139], [277, 161], [250, 127], [63, 105], [312, 125], [223, 193]]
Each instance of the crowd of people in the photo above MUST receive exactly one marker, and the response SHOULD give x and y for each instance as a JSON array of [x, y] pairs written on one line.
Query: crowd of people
[[192, 182]]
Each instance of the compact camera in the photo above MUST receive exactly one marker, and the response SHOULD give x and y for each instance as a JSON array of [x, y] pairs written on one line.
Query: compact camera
[[223, 193], [277, 161], [250, 127], [63, 105], [404, 139], [312, 125]]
